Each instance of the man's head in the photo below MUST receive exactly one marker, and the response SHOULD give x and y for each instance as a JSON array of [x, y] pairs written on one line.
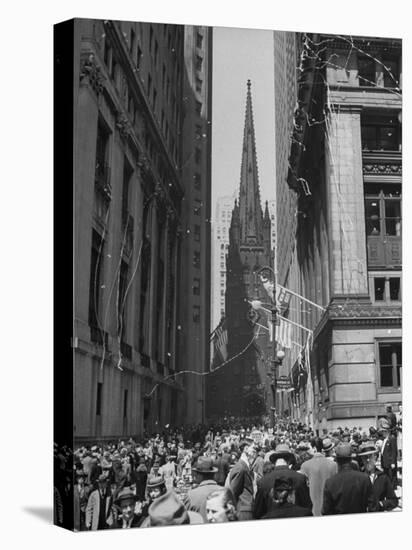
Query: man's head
[[126, 501], [220, 506], [389, 408], [204, 468], [102, 482], [369, 454]]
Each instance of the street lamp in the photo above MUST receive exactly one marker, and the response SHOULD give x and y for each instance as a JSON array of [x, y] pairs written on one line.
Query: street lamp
[[278, 355]]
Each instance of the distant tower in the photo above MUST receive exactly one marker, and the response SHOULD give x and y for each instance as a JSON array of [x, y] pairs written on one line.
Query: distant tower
[[239, 389]]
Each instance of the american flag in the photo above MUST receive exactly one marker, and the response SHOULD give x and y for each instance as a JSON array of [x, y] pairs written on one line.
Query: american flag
[[283, 333], [219, 338]]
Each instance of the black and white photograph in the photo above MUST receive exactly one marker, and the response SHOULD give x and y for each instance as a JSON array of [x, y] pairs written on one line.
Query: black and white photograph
[[237, 275]]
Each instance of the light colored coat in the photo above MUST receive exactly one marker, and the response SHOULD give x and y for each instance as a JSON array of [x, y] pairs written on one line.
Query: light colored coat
[[318, 469], [93, 510]]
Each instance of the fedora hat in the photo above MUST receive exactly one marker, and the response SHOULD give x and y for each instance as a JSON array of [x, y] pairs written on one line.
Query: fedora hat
[[169, 510], [281, 451], [367, 448], [126, 495], [204, 465], [343, 450], [155, 481], [384, 424], [327, 444]]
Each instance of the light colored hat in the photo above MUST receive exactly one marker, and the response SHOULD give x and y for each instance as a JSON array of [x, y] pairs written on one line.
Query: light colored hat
[[169, 510]]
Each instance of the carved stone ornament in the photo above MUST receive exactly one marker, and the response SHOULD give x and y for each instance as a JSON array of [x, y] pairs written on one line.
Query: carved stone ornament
[[382, 168], [123, 125], [90, 72]]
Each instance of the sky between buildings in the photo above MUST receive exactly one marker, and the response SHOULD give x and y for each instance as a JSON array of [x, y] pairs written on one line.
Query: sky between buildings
[[239, 54]]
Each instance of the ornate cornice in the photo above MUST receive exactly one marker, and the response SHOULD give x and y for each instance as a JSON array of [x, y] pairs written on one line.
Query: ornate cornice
[[90, 72]]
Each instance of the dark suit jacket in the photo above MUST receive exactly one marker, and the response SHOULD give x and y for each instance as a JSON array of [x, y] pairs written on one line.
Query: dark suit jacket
[[390, 453], [241, 484], [222, 466], [383, 493], [347, 492], [263, 500], [287, 511]]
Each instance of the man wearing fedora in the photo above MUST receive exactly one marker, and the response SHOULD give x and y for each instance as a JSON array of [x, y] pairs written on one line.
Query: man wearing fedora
[[349, 491], [99, 507], [318, 469], [389, 452], [241, 480], [384, 495], [283, 458], [205, 472], [80, 497], [168, 509], [126, 501]]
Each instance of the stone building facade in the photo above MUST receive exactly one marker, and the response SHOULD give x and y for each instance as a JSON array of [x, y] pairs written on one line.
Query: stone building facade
[[130, 227], [242, 388], [340, 240]]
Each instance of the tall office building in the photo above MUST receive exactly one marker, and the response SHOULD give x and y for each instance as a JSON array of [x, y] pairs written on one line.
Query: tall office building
[[339, 170], [220, 246], [195, 269], [133, 101]]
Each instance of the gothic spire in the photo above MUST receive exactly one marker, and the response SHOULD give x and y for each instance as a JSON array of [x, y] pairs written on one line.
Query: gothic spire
[[250, 209]]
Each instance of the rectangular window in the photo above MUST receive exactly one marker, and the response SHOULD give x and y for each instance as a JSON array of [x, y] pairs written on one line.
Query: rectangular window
[[127, 174], [139, 57], [196, 314], [132, 40], [99, 399], [390, 364], [197, 207], [197, 233], [198, 85], [196, 259], [379, 288], [121, 305], [366, 71], [395, 289], [383, 135], [96, 263], [198, 181], [151, 39], [198, 107], [125, 396], [390, 67], [149, 86], [196, 286], [156, 53], [154, 100], [198, 155], [198, 63], [199, 40]]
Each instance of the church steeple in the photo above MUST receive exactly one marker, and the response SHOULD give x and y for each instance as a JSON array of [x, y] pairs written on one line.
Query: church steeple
[[250, 209]]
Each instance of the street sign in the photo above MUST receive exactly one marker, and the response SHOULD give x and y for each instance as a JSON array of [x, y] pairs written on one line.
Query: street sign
[[283, 382]]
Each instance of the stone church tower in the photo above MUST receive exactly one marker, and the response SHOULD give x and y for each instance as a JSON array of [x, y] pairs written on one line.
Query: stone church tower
[[242, 387]]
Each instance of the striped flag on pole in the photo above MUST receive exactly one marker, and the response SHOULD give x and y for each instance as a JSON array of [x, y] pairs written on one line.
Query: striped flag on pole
[[282, 298], [284, 334], [220, 340]]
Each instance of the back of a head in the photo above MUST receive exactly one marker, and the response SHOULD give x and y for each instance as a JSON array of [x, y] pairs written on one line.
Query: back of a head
[[317, 443]]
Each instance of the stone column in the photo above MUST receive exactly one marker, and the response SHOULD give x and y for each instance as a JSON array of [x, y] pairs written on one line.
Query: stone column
[[346, 214]]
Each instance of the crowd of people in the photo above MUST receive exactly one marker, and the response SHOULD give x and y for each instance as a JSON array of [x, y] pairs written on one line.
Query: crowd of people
[[231, 471]]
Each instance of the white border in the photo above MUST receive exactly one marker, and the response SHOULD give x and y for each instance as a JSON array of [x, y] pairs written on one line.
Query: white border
[[26, 275]]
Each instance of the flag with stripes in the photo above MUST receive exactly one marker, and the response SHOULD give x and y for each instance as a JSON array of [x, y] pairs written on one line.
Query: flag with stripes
[[282, 299], [219, 340], [283, 333]]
